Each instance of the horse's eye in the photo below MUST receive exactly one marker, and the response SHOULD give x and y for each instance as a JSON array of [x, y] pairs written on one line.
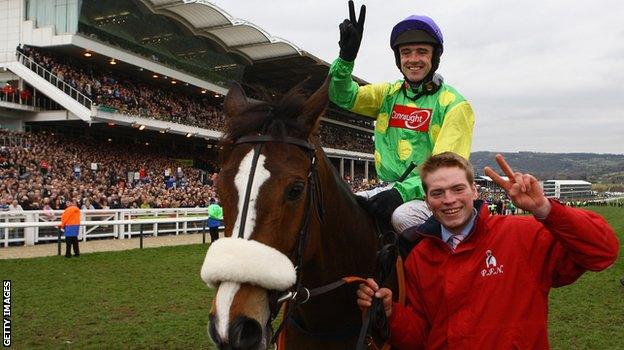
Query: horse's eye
[[295, 190]]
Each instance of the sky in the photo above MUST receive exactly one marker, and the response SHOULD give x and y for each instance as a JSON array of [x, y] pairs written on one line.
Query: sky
[[543, 76]]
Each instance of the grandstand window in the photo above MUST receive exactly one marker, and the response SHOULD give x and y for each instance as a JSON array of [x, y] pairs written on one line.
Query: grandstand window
[[62, 14]]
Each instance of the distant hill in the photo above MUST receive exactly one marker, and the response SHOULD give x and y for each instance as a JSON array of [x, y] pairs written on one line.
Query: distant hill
[[592, 167]]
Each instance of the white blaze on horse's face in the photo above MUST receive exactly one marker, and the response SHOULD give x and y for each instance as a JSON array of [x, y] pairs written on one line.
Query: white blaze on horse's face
[[227, 290], [260, 176], [225, 296]]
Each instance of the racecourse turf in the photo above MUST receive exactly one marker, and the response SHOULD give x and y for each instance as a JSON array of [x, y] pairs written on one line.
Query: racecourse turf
[[153, 298]]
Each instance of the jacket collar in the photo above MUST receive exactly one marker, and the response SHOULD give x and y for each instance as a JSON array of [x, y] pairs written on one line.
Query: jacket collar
[[433, 229]]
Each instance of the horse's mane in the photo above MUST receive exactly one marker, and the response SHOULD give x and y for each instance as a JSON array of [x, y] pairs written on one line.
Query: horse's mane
[[277, 118]]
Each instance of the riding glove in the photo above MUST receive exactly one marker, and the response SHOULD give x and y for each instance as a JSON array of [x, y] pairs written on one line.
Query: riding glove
[[351, 34]]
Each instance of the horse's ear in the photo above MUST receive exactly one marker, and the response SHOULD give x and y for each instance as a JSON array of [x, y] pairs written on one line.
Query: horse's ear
[[315, 106], [235, 100]]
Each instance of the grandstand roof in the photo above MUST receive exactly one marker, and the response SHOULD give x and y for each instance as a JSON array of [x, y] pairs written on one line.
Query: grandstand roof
[[232, 34], [271, 62]]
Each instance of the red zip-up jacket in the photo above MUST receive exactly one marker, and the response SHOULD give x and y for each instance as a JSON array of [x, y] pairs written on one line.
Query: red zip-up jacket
[[492, 292]]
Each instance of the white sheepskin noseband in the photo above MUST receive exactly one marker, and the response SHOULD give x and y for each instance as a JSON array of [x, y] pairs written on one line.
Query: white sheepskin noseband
[[246, 261]]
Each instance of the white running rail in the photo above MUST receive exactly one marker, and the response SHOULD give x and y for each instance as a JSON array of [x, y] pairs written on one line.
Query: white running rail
[[40, 226]]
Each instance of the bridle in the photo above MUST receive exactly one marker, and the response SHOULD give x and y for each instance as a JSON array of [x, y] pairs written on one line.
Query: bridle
[[259, 141], [298, 294]]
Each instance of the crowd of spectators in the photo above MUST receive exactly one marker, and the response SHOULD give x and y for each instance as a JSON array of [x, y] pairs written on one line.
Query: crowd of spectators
[[49, 169], [360, 184], [601, 203], [346, 138], [499, 203], [350, 118], [41, 171], [127, 95]]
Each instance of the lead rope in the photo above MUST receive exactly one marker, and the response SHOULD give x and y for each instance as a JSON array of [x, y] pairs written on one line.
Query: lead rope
[[387, 256], [365, 341]]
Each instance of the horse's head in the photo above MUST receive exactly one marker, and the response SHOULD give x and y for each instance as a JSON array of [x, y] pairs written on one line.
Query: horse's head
[[266, 189]]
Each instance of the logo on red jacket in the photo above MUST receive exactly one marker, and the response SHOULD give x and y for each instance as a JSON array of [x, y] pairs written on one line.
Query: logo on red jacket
[[411, 118], [491, 265]]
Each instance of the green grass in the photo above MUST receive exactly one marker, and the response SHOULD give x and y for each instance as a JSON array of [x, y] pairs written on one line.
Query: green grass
[[589, 314], [154, 298], [150, 298]]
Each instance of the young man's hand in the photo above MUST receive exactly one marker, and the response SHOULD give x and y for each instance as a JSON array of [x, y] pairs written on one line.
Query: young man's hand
[[351, 33], [523, 189], [370, 289]]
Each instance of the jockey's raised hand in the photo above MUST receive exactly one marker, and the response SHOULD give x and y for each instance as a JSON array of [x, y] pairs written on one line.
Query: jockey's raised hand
[[523, 189], [351, 33]]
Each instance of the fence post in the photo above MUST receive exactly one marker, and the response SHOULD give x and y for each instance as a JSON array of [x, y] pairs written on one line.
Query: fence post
[[119, 229], [141, 235], [59, 242], [6, 236], [204, 232], [185, 226], [29, 232], [83, 229]]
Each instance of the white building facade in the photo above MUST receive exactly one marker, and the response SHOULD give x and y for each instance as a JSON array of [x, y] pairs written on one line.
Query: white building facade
[[567, 189]]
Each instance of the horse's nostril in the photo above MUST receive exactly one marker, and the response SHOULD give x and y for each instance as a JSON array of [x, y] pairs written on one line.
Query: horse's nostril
[[245, 333]]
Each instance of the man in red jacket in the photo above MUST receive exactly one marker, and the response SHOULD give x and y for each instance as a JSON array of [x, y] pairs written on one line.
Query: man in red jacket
[[477, 281]]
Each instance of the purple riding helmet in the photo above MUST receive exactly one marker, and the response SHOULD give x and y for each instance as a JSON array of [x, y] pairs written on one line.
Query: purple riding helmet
[[418, 29]]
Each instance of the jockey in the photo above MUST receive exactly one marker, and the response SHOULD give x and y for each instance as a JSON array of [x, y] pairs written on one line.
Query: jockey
[[417, 116]]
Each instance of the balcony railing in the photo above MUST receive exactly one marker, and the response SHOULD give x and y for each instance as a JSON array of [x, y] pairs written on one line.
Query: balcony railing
[[54, 80]]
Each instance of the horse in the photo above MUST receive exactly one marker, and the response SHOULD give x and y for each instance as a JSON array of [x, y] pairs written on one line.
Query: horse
[[290, 220]]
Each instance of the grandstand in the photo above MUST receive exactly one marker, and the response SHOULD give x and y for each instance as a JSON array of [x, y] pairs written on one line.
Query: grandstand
[[562, 190], [565, 190], [130, 91]]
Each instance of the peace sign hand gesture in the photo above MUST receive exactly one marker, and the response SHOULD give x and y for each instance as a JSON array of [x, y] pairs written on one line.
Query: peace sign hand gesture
[[351, 33], [523, 189]]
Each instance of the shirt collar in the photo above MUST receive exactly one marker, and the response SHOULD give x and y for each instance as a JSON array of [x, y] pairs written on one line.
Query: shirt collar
[[446, 234]]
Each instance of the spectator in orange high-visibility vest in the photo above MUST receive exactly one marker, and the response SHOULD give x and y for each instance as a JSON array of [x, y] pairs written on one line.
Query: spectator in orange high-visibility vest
[[70, 225]]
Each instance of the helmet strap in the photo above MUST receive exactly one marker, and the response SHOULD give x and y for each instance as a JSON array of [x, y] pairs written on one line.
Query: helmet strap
[[430, 85]]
